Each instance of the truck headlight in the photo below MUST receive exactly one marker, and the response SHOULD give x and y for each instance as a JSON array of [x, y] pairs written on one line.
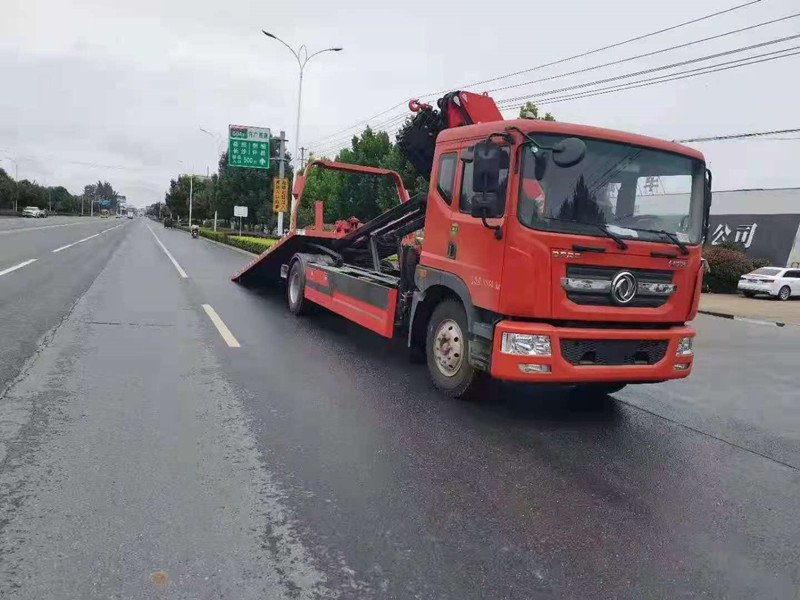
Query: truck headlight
[[525, 344], [684, 347]]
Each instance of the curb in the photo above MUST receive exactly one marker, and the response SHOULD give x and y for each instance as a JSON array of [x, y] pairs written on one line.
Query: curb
[[733, 317]]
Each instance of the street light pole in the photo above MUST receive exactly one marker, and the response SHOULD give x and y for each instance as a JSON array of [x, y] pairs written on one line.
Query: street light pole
[[302, 56]]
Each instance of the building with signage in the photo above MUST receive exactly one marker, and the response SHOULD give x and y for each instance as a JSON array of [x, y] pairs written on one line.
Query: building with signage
[[764, 222]]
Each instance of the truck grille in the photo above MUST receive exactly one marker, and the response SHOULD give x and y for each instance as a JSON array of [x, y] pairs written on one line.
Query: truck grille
[[613, 352], [603, 273]]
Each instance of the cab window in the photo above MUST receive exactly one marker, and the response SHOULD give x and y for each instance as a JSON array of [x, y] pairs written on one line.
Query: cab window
[[467, 193], [447, 176]]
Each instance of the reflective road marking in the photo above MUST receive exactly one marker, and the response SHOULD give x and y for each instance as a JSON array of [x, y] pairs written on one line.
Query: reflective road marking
[[221, 327]]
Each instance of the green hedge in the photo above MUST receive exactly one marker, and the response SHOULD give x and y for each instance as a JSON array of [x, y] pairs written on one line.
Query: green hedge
[[257, 245], [727, 265]]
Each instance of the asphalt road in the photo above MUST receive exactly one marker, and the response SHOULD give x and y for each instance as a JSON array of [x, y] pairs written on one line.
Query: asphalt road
[[144, 456], [36, 295]]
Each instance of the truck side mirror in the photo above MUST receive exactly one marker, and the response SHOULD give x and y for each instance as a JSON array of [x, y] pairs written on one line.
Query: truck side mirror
[[486, 206], [486, 168], [568, 152]]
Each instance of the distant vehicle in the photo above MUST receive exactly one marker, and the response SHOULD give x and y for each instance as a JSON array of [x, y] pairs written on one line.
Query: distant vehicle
[[131, 214], [773, 281], [168, 222], [103, 213], [119, 216], [43, 213], [32, 212]]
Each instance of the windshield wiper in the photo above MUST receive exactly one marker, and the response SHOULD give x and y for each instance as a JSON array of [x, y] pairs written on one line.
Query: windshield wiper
[[672, 237], [601, 226], [619, 241]]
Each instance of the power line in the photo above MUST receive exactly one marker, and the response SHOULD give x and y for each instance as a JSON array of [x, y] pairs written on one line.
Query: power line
[[596, 50], [654, 69], [542, 66], [673, 77], [363, 122], [638, 56], [375, 126], [740, 136]]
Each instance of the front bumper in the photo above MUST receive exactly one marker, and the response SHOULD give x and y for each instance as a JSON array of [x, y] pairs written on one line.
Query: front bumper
[[507, 366]]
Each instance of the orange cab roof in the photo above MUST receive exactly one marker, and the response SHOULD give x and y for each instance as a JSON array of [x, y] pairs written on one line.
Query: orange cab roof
[[480, 130]]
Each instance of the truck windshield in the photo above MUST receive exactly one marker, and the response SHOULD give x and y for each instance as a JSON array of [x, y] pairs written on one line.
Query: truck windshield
[[635, 192]]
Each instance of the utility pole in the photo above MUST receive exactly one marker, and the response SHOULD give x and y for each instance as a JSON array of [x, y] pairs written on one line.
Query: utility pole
[[191, 183], [302, 158], [281, 173], [91, 212]]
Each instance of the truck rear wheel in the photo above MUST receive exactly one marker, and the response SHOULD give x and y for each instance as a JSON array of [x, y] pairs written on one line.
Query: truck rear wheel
[[447, 350], [295, 289]]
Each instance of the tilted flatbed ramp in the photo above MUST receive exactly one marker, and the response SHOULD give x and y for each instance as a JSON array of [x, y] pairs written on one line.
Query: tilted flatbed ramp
[[266, 267]]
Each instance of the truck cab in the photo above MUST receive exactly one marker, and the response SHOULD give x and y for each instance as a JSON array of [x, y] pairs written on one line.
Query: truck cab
[[570, 269]]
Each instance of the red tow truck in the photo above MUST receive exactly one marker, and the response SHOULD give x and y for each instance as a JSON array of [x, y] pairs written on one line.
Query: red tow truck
[[551, 253]]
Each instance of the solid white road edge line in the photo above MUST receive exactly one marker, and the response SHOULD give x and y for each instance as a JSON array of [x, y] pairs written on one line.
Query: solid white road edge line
[[221, 327], [19, 266], [169, 256]]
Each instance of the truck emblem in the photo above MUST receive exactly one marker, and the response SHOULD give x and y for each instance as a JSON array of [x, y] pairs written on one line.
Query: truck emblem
[[623, 287]]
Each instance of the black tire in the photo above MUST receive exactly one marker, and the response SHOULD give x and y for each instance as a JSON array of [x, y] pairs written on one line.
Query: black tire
[[784, 293], [749, 294], [447, 350], [598, 390], [295, 289]]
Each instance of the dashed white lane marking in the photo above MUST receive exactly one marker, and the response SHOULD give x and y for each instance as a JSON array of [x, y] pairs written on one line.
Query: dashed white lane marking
[[19, 266], [181, 272], [83, 240], [221, 327], [76, 243]]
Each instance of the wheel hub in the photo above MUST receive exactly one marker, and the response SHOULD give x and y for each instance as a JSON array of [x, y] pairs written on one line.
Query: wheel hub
[[448, 347], [294, 287]]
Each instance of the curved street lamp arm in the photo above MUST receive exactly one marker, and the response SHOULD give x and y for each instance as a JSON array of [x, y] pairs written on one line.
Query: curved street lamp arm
[[275, 37], [320, 52]]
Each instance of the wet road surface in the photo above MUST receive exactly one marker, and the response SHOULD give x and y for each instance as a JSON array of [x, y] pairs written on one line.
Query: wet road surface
[[39, 286], [143, 456]]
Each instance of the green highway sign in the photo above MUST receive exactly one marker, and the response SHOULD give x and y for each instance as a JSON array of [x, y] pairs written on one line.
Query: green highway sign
[[248, 147], [244, 153]]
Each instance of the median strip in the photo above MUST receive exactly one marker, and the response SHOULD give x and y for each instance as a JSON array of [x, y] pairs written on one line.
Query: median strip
[[221, 327], [19, 266], [181, 272]]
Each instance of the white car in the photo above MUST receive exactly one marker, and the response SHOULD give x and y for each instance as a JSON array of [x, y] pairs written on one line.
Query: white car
[[32, 212], [774, 281]]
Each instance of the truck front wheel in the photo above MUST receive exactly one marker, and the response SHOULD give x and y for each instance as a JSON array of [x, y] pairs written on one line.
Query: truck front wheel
[[447, 349]]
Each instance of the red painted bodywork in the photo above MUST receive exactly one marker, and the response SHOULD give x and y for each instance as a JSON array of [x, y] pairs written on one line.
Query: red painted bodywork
[[377, 319]]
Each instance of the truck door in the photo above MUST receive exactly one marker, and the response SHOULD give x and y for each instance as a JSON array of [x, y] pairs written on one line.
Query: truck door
[[475, 253]]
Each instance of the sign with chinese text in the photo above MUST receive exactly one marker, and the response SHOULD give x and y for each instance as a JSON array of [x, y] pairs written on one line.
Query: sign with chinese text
[[759, 236], [240, 211], [248, 147], [280, 194]]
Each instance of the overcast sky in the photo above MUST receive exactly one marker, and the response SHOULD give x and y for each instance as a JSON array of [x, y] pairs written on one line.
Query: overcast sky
[[118, 90]]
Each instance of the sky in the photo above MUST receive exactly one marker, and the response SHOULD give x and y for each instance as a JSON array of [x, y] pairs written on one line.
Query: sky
[[119, 90]]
